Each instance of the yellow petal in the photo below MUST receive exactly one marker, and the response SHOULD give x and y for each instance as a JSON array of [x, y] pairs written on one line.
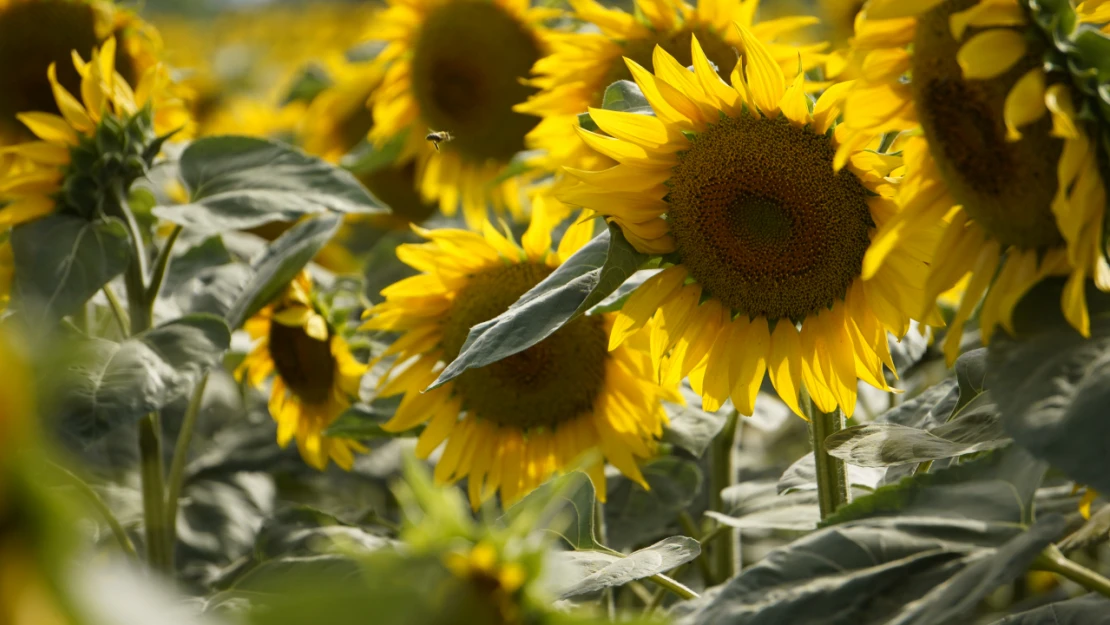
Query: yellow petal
[[49, 127], [764, 76], [989, 54], [751, 342], [1025, 103]]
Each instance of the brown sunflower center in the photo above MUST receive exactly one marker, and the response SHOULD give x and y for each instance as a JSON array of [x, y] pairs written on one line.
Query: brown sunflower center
[[551, 382], [394, 186], [762, 221], [467, 65], [1007, 187], [32, 36], [355, 122], [305, 364], [677, 44]]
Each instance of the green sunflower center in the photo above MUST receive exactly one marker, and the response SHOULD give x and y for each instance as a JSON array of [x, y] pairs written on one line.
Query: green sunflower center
[[677, 44], [763, 222], [305, 365], [32, 36], [1007, 187], [467, 65], [551, 382]]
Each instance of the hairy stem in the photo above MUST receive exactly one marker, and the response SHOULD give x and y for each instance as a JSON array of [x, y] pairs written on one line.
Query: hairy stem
[[723, 475], [1052, 560], [154, 503], [177, 466], [832, 474], [120, 315]]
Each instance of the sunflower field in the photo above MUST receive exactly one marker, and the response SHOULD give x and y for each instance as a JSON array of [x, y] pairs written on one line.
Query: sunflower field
[[554, 312]]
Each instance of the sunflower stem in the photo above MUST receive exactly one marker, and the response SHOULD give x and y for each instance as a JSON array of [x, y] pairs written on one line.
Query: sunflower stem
[[177, 466], [134, 278], [691, 528], [120, 315], [1052, 560], [832, 474], [723, 475], [154, 506], [161, 264]]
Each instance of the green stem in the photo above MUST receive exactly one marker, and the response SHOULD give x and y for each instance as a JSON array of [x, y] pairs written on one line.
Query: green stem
[[661, 592], [154, 502], [177, 466], [600, 535], [723, 475], [161, 264], [1052, 560], [102, 508], [135, 275], [691, 528], [122, 320], [832, 474]]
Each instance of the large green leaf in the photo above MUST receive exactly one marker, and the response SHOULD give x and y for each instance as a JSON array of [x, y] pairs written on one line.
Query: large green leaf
[[563, 506], [605, 570], [758, 505], [283, 260], [1053, 385], [63, 260], [237, 183], [1090, 609], [585, 279], [975, 428], [111, 383], [638, 515], [997, 486], [905, 570], [691, 428]]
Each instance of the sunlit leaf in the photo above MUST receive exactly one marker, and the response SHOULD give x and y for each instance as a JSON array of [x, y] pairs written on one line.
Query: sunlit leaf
[[658, 558]]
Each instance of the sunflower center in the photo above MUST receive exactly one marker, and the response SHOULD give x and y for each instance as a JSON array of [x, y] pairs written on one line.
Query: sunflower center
[[467, 65], [677, 44], [353, 126], [32, 36], [551, 382], [394, 186], [1007, 187], [762, 221], [304, 363]]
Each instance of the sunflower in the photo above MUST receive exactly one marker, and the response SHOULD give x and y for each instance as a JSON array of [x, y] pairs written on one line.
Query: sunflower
[[34, 174], [315, 375], [339, 119], [582, 64], [512, 424], [762, 242], [457, 66], [996, 151], [7, 269], [35, 34]]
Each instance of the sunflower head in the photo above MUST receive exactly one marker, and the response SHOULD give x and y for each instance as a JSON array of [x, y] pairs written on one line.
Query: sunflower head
[[315, 376], [510, 425], [459, 67], [999, 149], [35, 34], [575, 75], [91, 153], [762, 240]]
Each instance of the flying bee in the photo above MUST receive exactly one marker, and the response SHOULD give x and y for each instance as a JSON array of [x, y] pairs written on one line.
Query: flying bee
[[439, 136]]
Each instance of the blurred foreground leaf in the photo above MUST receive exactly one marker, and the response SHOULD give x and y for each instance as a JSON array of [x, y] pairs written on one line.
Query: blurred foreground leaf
[[603, 570]]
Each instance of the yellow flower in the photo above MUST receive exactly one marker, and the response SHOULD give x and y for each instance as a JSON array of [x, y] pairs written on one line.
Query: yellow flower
[[315, 375], [514, 423], [734, 184], [582, 64], [37, 33], [497, 579], [995, 151], [32, 173], [7, 270], [338, 119], [457, 66]]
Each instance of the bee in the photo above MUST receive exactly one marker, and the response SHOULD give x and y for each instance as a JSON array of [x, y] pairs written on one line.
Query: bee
[[439, 136]]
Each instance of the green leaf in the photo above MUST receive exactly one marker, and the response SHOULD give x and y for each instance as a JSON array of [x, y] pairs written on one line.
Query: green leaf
[[1053, 386], [691, 428], [309, 83], [367, 157], [585, 279], [658, 558], [1090, 609], [905, 570], [998, 486], [976, 428], [63, 260], [237, 183], [645, 515], [930, 408], [364, 422], [623, 95], [282, 261], [108, 383], [758, 505], [802, 476], [564, 506]]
